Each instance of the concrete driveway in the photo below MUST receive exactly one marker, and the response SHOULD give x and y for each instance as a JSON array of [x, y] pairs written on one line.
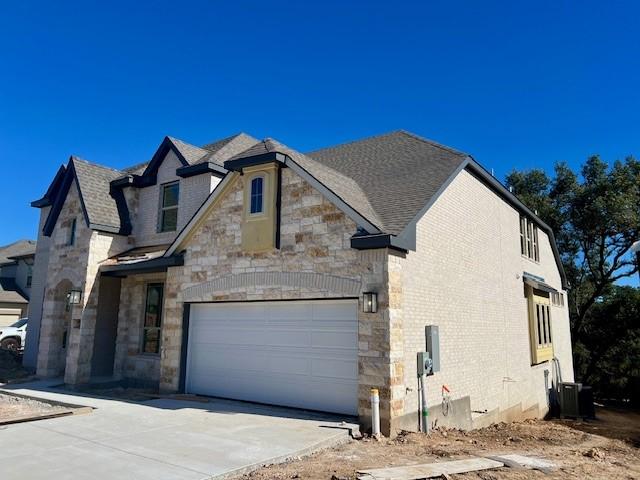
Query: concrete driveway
[[159, 439]]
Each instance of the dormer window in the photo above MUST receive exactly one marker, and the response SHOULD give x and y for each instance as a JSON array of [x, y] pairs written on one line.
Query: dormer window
[[168, 218], [257, 196]]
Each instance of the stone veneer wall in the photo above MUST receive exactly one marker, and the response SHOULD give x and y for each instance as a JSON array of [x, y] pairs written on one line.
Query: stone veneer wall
[[78, 265], [315, 247], [130, 363]]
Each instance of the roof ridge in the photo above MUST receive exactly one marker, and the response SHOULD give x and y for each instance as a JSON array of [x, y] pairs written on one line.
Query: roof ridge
[[176, 139], [75, 158], [432, 142], [387, 134], [351, 142], [227, 139]]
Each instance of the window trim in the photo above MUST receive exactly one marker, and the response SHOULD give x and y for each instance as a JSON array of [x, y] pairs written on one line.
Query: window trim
[[529, 239], [162, 208], [263, 211], [144, 328], [540, 321]]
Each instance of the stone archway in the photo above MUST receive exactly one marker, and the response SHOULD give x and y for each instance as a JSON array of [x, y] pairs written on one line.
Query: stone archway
[[55, 330]]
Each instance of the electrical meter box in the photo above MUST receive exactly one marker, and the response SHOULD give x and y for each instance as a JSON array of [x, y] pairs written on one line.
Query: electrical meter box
[[432, 336], [424, 364]]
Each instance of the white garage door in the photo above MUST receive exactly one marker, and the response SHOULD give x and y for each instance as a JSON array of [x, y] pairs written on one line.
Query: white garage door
[[298, 353]]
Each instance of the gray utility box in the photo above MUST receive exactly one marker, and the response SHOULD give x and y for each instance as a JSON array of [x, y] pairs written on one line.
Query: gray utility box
[[432, 335]]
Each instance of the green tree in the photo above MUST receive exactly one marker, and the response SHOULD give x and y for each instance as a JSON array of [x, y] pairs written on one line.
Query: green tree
[[595, 215]]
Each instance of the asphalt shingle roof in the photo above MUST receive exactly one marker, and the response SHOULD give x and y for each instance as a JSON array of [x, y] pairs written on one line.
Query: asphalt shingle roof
[[224, 149], [398, 173], [9, 291], [191, 153], [344, 187], [16, 249], [388, 178], [94, 183]]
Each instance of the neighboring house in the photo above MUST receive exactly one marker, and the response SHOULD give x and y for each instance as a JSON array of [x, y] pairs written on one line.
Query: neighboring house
[[239, 269], [16, 273]]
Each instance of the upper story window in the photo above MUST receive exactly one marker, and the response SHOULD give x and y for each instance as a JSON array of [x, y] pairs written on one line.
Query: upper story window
[[257, 195], [71, 239], [169, 194], [29, 275], [529, 239]]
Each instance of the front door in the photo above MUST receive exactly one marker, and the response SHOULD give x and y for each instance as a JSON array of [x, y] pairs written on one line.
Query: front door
[[104, 343]]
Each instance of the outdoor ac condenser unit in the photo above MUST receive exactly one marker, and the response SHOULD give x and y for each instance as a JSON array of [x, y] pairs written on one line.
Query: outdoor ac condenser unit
[[570, 399]]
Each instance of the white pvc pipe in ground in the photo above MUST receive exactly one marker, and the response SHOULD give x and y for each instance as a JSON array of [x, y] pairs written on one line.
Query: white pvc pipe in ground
[[375, 413]]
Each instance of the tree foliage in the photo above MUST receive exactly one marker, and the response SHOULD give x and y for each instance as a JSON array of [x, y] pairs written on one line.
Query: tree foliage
[[595, 215]]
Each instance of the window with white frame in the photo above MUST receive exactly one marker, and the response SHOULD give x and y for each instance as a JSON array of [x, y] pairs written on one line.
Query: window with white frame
[[557, 299], [256, 196], [540, 325], [29, 275], [529, 246], [168, 216]]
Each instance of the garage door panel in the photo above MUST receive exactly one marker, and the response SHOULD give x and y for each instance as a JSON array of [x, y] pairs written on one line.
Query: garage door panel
[[300, 353], [322, 394], [334, 339]]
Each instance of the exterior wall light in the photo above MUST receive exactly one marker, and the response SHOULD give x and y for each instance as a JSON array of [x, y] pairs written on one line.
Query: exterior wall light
[[73, 297], [369, 302]]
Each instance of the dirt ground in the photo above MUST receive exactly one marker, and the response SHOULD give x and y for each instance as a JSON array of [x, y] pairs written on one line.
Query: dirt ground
[[607, 448], [14, 408]]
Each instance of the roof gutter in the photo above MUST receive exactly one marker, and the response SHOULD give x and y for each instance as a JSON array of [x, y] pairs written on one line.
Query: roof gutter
[[160, 264], [382, 240]]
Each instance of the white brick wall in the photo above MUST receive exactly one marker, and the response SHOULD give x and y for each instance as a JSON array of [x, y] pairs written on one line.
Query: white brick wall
[[466, 277], [193, 192]]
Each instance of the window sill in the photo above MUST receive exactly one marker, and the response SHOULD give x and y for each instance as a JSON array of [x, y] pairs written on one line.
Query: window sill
[[148, 356], [537, 262]]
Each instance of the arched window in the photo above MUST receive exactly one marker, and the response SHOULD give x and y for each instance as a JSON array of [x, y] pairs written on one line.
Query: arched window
[[257, 192]]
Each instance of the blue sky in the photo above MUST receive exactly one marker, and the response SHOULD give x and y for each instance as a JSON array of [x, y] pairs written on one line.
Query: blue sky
[[516, 84]]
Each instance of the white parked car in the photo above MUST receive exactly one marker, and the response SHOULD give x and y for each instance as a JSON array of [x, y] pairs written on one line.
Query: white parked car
[[12, 337]]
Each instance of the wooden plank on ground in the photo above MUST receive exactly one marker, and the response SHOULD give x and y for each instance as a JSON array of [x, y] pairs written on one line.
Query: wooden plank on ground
[[521, 461], [429, 470]]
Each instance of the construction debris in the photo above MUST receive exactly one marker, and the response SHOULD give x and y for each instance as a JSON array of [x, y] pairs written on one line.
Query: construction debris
[[520, 461], [429, 470]]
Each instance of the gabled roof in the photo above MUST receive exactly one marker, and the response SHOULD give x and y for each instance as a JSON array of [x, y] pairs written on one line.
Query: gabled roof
[[10, 292], [99, 207], [21, 248], [384, 183], [224, 149], [397, 172], [344, 187]]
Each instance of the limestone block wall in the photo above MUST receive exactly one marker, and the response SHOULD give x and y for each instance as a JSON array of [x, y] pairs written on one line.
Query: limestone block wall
[[315, 260], [466, 277], [73, 266], [130, 363]]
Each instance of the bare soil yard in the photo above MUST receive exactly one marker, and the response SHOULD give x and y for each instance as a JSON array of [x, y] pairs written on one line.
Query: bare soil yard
[[603, 449], [14, 408]]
